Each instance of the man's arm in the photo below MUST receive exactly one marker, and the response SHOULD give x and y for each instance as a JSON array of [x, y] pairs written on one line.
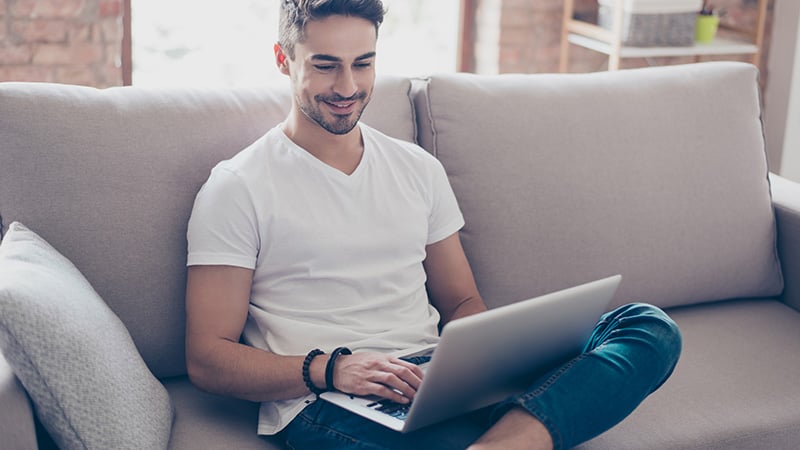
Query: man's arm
[[451, 285], [217, 299]]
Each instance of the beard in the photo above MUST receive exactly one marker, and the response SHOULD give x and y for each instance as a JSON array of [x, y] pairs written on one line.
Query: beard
[[338, 124]]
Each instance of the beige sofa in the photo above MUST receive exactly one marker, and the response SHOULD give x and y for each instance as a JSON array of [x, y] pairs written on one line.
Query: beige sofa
[[658, 174]]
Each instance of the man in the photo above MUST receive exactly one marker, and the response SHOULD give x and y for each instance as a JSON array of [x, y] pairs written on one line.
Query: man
[[327, 234]]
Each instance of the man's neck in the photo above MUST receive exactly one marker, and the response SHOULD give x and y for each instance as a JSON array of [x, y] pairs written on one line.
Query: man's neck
[[342, 152]]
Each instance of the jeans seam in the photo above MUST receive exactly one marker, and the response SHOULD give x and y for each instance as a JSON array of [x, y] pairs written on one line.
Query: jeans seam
[[555, 376], [555, 433], [521, 400]]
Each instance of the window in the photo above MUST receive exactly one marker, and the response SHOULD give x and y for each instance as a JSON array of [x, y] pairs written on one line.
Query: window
[[191, 43]]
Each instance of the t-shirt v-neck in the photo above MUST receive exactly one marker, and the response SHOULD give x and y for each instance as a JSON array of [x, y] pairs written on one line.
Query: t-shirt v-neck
[[329, 171]]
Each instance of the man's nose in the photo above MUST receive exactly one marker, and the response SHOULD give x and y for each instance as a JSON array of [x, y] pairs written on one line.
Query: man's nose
[[346, 83]]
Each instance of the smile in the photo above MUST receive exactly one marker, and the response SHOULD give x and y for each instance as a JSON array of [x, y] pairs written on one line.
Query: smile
[[341, 107]]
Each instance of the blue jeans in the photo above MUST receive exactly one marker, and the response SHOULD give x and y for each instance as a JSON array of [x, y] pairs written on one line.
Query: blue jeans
[[631, 352]]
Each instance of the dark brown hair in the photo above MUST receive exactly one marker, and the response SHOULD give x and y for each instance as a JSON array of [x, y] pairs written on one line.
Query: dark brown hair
[[295, 14]]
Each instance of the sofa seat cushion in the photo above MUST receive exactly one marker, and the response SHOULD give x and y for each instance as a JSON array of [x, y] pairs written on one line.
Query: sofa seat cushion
[[207, 421], [735, 386], [90, 387]]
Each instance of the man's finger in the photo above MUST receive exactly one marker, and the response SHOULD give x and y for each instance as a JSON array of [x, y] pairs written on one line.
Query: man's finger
[[413, 367]]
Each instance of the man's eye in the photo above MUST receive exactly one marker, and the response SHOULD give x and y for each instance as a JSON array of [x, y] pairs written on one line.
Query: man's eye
[[324, 67], [365, 65]]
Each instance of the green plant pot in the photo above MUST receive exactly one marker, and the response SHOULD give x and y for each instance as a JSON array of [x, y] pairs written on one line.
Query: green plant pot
[[706, 28]]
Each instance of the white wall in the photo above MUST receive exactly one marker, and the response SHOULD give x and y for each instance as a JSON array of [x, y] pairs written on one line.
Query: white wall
[[782, 97]]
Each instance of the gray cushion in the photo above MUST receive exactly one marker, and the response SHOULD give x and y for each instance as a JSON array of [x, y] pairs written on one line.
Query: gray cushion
[[786, 199], [210, 421], [110, 176], [735, 386], [658, 174], [74, 356]]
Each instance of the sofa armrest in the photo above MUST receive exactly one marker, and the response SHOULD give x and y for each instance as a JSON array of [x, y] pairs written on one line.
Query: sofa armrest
[[786, 200], [17, 426]]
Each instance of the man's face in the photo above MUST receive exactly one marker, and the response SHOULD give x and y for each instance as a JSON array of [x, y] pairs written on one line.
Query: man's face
[[333, 72]]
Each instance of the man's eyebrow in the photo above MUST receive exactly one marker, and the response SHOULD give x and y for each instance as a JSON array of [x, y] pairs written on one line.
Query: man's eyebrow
[[367, 55], [323, 57], [331, 58]]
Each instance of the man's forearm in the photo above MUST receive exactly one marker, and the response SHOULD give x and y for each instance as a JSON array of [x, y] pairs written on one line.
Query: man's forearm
[[230, 368]]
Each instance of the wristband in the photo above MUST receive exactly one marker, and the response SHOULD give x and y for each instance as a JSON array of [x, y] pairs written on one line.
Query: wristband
[[331, 363], [306, 375]]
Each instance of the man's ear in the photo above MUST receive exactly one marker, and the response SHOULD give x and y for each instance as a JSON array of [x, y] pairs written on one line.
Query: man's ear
[[281, 59]]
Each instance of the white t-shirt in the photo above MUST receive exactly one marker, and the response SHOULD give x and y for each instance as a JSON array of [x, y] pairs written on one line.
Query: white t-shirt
[[337, 258]]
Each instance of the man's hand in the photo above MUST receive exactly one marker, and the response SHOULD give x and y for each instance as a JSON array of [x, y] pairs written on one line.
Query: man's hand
[[372, 373]]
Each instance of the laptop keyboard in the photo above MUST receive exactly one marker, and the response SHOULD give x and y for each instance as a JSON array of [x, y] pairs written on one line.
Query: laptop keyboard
[[391, 408]]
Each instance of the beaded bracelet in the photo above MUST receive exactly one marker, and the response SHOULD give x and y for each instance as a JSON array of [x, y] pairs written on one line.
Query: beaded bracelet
[[306, 375], [331, 363]]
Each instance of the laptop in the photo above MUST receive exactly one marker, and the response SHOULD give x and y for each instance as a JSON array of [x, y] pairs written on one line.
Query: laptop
[[482, 359]]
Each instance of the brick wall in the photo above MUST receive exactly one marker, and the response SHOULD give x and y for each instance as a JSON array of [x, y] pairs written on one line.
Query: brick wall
[[66, 41]]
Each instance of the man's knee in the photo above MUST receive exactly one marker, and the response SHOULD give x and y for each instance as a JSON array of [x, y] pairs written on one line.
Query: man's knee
[[661, 333], [646, 324]]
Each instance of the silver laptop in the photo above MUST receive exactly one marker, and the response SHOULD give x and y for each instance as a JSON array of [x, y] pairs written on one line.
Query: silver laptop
[[482, 359]]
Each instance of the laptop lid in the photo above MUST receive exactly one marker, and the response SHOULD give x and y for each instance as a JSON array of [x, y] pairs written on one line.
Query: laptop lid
[[484, 358]]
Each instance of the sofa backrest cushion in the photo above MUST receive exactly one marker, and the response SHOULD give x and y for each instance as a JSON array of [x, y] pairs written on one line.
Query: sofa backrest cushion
[[658, 174], [109, 178]]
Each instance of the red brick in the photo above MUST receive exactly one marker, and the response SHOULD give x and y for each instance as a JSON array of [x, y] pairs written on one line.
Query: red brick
[[39, 30], [14, 54], [113, 56], [110, 8], [110, 31], [516, 19], [83, 75], [47, 8], [21, 8], [82, 32], [515, 37], [537, 5], [112, 76], [78, 54], [26, 73]]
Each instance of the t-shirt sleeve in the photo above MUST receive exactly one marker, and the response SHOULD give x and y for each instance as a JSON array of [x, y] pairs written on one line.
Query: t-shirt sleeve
[[222, 229], [445, 217]]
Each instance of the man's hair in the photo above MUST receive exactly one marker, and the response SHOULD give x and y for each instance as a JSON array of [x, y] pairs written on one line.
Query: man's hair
[[295, 15]]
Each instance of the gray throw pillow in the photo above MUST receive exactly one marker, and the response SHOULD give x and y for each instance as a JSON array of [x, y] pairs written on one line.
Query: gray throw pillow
[[90, 387]]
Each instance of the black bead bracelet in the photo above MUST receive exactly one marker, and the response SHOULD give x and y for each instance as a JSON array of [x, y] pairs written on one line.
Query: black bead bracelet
[[306, 375]]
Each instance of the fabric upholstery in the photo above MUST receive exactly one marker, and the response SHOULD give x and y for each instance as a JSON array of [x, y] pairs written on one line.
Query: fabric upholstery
[[567, 178], [110, 177], [218, 422], [786, 198], [73, 354], [735, 386], [16, 415]]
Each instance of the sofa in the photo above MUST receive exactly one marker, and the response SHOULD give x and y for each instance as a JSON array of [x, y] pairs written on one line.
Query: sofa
[[658, 174]]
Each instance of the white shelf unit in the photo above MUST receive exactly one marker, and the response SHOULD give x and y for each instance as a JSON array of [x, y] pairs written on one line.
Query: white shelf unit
[[609, 41]]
